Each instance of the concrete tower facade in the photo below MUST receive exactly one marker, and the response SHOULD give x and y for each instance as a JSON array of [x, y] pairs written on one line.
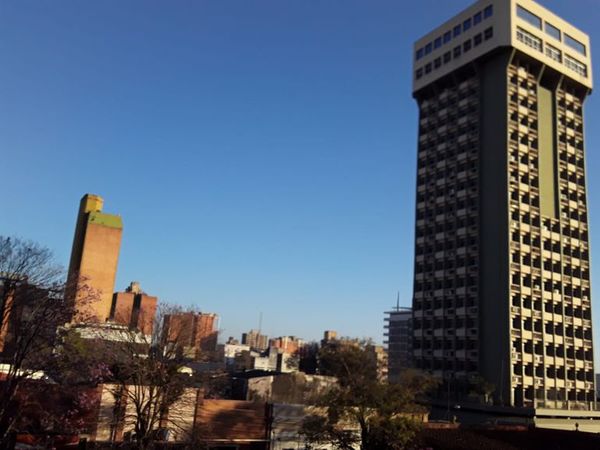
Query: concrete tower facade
[[502, 271], [94, 258], [398, 339]]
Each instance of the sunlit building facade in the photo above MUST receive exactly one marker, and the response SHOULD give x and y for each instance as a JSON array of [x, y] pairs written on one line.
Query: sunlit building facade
[[502, 264]]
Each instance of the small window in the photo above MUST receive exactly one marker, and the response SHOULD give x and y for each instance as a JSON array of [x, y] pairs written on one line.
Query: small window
[[447, 36], [437, 43], [466, 24], [477, 18], [488, 33], [419, 73], [529, 39], [477, 39], [447, 57], [457, 30], [551, 30], [575, 44], [529, 17], [575, 65], [457, 51], [419, 53], [467, 46], [428, 49], [437, 63], [488, 11], [553, 53], [428, 68]]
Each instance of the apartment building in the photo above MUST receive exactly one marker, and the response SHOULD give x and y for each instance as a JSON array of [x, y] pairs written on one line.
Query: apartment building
[[502, 271]]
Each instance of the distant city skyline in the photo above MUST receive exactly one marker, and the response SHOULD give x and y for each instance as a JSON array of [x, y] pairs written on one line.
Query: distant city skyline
[[262, 155]]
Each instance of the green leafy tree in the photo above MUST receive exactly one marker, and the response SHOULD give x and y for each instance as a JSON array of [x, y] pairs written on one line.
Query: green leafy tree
[[361, 411], [482, 388]]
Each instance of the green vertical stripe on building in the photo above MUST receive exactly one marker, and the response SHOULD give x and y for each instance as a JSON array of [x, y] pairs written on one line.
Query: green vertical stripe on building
[[547, 152]]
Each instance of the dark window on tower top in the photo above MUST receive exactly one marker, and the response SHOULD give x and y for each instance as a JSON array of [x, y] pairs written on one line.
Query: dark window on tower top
[[488, 11], [466, 24]]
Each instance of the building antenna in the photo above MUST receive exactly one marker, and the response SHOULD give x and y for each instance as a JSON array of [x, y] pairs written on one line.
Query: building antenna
[[259, 322], [398, 302]]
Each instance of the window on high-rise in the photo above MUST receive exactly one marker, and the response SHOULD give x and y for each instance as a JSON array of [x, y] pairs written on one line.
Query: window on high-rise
[[466, 24], [529, 39], [575, 44], [488, 11], [552, 31], [575, 65], [529, 17], [488, 33], [553, 53]]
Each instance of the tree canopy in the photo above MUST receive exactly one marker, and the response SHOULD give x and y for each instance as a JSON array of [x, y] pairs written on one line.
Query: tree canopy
[[362, 411]]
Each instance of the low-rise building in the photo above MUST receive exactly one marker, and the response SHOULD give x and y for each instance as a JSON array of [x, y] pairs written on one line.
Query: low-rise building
[[228, 352], [289, 344], [286, 423], [295, 388]]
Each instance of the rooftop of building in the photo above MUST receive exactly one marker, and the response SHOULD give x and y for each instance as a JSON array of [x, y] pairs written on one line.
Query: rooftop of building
[[488, 25]]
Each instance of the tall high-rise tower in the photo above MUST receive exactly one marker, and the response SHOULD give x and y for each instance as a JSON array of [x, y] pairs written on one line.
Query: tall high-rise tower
[[94, 259], [502, 273]]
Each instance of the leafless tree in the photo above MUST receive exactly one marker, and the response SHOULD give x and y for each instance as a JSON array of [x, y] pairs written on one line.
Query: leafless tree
[[153, 388], [32, 307]]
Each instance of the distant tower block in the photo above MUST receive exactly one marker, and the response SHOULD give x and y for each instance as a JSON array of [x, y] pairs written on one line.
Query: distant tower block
[[134, 308], [195, 333], [94, 259]]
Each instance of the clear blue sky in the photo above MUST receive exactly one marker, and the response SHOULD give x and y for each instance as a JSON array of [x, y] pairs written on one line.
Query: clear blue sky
[[261, 153]]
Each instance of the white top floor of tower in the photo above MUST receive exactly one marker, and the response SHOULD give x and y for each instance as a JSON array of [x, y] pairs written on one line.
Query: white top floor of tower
[[488, 25]]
